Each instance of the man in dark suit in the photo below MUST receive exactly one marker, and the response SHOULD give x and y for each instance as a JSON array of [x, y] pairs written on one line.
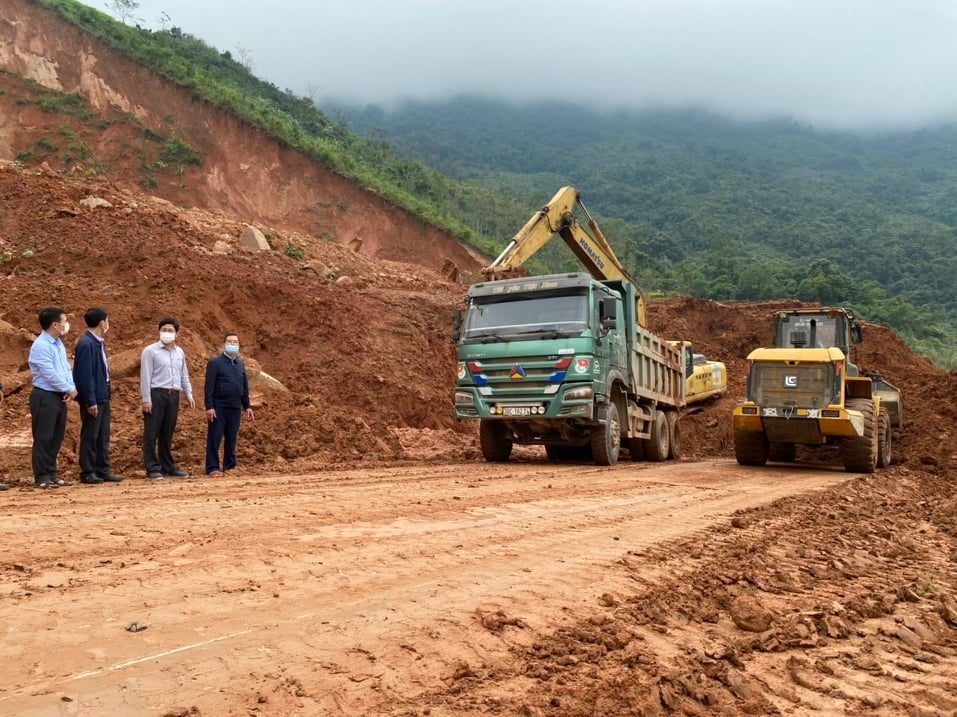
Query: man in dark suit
[[227, 399], [91, 375]]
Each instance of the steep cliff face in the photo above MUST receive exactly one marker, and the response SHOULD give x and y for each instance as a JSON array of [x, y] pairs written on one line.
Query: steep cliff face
[[243, 172]]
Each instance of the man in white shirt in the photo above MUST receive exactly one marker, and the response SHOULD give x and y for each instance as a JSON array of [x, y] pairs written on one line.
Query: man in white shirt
[[164, 377]]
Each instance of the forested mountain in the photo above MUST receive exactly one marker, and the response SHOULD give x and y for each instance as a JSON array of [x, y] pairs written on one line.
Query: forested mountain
[[700, 204], [692, 203]]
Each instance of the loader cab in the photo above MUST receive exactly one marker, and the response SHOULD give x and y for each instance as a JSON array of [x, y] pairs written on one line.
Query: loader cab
[[818, 328]]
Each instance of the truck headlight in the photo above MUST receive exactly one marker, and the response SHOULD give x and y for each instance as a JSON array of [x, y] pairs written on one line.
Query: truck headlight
[[463, 398], [577, 394]]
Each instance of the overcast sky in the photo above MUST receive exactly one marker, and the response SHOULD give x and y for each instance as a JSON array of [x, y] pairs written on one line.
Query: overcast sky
[[833, 63]]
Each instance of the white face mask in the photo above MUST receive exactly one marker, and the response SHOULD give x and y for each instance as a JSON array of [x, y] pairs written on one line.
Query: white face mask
[[64, 328], [167, 337]]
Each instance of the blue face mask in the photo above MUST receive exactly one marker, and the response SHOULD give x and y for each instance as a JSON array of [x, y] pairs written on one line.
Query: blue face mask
[[232, 349]]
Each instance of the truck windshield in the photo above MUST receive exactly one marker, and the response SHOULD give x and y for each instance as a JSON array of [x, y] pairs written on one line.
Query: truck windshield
[[554, 315]]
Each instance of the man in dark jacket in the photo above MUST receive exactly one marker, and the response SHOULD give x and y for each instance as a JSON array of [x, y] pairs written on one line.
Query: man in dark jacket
[[91, 375], [227, 398]]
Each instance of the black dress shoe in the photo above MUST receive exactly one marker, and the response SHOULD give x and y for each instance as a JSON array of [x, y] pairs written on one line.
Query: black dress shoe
[[178, 473], [111, 479], [91, 480], [155, 475]]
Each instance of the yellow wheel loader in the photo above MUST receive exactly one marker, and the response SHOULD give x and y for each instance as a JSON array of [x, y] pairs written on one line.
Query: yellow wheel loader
[[805, 390]]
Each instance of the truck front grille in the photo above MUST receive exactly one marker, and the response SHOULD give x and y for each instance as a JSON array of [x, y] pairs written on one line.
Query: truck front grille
[[525, 376]]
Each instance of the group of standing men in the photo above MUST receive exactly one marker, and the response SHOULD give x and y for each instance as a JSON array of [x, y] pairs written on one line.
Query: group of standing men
[[164, 379]]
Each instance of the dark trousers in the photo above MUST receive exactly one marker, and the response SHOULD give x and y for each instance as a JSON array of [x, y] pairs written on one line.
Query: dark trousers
[[225, 425], [48, 421], [95, 441], [158, 428]]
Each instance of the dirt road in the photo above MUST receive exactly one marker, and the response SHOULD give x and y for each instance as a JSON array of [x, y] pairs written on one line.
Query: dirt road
[[345, 592]]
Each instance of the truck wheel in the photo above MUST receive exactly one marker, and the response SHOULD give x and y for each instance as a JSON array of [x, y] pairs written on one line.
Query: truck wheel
[[859, 453], [783, 452], [606, 438], [494, 441], [656, 447], [674, 435], [751, 448], [883, 439]]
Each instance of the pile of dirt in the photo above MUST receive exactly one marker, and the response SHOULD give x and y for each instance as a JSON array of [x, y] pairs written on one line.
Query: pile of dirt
[[840, 602], [361, 345]]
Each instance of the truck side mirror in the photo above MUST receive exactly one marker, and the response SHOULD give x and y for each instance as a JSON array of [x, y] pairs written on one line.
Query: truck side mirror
[[857, 333], [608, 313]]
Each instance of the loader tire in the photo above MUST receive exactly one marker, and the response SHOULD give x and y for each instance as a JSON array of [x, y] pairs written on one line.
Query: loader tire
[[606, 438], [674, 435], [859, 453], [782, 452], [884, 449], [657, 447], [751, 448], [494, 441]]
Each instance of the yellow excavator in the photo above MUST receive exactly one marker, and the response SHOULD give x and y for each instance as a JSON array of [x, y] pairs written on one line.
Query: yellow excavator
[[704, 379]]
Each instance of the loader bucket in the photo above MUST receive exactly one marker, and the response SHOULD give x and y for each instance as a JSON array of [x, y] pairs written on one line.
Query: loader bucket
[[890, 399]]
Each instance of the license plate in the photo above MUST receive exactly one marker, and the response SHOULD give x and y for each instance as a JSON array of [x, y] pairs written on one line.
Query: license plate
[[518, 411]]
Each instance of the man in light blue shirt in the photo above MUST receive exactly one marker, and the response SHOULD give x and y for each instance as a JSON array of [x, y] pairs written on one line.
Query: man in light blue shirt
[[53, 388]]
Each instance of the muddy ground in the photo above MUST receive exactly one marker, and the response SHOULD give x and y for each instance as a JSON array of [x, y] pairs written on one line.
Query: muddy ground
[[472, 589]]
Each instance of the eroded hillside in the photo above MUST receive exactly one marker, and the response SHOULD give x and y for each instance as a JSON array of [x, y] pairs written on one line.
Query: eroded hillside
[[140, 130]]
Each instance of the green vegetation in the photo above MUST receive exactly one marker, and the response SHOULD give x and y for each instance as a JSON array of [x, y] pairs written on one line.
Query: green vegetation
[[177, 153], [692, 203], [701, 205], [69, 104], [41, 149], [294, 251]]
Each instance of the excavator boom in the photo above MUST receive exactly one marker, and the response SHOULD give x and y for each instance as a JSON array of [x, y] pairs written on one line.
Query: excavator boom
[[588, 245]]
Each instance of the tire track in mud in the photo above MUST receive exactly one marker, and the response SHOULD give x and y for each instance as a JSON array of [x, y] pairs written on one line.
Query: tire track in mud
[[367, 560]]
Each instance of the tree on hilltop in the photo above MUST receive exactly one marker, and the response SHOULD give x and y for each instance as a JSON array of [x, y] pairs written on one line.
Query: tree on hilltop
[[123, 9]]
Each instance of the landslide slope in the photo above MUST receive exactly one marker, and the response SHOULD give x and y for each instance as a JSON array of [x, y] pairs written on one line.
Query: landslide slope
[[72, 102]]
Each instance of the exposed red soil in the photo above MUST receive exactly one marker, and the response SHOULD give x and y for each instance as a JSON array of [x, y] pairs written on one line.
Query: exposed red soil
[[556, 590]]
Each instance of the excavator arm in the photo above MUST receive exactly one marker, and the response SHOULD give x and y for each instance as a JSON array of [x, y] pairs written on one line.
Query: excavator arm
[[588, 245]]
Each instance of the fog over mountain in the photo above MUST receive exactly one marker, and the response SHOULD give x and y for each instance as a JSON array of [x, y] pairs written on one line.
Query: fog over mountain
[[850, 64]]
